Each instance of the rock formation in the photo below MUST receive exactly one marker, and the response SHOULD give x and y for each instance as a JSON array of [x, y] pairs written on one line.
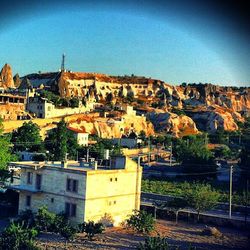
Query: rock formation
[[6, 79], [208, 106], [178, 125], [17, 80], [111, 127]]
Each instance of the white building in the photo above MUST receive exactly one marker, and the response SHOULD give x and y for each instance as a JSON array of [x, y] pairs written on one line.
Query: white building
[[42, 108], [81, 136], [84, 191]]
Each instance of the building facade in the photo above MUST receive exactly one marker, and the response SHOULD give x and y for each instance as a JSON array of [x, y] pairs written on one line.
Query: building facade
[[84, 191], [42, 108], [81, 136]]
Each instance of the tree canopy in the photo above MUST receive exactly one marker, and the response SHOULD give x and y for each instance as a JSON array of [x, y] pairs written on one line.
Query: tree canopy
[[27, 137], [192, 151], [61, 141], [201, 197], [5, 154]]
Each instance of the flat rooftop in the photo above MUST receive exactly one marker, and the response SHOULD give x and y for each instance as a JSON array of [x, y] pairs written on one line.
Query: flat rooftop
[[70, 165]]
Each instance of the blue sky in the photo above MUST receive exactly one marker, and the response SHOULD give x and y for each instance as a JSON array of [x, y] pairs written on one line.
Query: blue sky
[[117, 42]]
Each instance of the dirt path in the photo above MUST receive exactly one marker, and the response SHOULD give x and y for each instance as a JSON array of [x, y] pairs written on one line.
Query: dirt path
[[178, 235]]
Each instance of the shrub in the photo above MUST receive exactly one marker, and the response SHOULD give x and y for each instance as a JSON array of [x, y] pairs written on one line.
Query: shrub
[[59, 222], [141, 222], [27, 218], [154, 243], [68, 232], [91, 229], [44, 219], [18, 237]]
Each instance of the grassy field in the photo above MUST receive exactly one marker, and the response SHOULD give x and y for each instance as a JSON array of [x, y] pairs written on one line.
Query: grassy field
[[179, 188]]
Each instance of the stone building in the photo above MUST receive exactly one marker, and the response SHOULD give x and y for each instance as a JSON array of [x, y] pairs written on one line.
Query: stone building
[[82, 190], [81, 136], [42, 108]]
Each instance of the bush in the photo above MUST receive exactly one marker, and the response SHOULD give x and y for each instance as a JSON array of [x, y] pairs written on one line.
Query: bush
[[44, 219], [91, 229], [18, 237], [154, 243], [27, 218], [74, 102], [68, 232], [141, 222]]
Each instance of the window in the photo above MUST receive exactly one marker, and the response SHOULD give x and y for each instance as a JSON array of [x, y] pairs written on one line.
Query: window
[[111, 179], [28, 200], [38, 181], [70, 209], [72, 185], [29, 177], [116, 179]]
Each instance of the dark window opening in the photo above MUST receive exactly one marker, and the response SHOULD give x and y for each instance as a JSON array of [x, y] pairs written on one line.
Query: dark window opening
[[72, 185], [28, 200], [70, 209], [38, 181], [29, 177]]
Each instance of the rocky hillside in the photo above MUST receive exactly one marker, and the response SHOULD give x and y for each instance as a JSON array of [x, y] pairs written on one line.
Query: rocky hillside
[[184, 109], [203, 106]]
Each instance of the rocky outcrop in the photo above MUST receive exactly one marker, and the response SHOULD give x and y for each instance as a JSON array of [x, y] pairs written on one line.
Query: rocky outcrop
[[177, 125], [6, 79], [215, 117], [17, 80], [210, 106], [113, 128], [25, 84]]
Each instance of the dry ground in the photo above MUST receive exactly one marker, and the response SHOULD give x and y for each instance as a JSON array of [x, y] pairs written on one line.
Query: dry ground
[[178, 235]]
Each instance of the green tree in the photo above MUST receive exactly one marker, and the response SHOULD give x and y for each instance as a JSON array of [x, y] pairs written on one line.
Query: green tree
[[61, 141], [201, 197], [27, 137], [74, 102], [223, 152], [194, 155], [18, 237], [141, 222], [5, 155], [142, 135]]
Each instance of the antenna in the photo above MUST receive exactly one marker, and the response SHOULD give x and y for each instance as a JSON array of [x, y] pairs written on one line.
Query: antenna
[[63, 62]]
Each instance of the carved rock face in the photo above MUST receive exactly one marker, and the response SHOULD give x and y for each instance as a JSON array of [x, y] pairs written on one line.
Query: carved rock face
[[6, 79]]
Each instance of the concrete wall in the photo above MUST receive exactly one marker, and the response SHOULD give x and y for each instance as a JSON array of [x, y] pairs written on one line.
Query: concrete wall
[[100, 192], [113, 193], [54, 187]]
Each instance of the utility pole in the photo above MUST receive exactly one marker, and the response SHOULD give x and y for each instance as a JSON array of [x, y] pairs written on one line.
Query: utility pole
[[87, 157], [171, 152], [137, 192], [230, 190], [148, 151]]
